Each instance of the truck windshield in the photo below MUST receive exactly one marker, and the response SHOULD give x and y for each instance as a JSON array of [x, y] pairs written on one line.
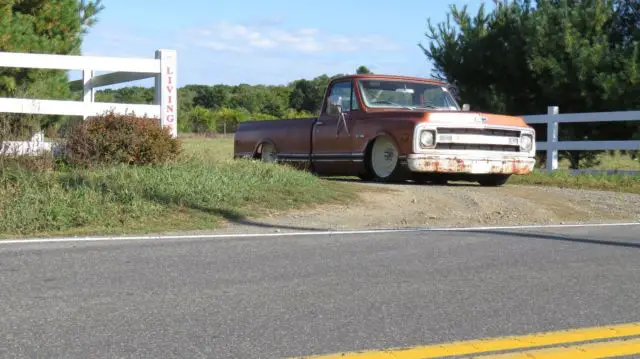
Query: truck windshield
[[406, 94]]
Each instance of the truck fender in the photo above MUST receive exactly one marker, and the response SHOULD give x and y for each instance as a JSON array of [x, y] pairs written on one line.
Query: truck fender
[[257, 150], [367, 149]]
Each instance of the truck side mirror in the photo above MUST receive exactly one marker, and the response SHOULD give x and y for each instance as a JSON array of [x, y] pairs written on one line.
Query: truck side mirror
[[334, 105], [466, 107]]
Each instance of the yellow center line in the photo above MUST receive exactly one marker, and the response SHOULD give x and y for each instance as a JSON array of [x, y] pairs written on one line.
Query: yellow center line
[[586, 351], [477, 346]]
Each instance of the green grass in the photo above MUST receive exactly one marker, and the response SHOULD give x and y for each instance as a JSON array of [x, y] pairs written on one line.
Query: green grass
[[616, 161], [204, 187], [607, 182], [563, 179]]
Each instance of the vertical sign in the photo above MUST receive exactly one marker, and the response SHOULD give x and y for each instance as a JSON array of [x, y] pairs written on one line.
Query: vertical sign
[[167, 91]]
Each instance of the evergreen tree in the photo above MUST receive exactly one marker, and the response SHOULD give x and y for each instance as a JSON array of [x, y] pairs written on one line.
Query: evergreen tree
[[47, 27], [577, 54]]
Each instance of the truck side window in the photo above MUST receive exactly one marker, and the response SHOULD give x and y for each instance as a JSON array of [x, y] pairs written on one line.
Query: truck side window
[[354, 99], [346, 91]]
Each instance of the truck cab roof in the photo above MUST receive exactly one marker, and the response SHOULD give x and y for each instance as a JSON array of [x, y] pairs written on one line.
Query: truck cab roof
[[389, 77]]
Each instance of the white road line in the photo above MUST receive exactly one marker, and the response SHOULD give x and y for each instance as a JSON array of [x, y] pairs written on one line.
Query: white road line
[[307, 233]]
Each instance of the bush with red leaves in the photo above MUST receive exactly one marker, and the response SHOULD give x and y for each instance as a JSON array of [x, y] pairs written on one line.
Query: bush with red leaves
[[119, 139]]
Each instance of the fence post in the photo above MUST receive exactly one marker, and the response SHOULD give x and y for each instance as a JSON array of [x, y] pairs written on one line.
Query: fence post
[[166, 90], [552, 139], [87, 89]]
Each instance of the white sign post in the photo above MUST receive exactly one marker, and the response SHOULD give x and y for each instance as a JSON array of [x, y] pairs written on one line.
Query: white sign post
[[166, 90]]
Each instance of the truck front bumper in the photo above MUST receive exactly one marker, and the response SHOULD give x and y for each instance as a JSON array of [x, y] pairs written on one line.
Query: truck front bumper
[[470, 164]]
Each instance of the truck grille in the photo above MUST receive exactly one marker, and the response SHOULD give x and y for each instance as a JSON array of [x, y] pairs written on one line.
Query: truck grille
[[491, 134], [479, 131], [477, 147]]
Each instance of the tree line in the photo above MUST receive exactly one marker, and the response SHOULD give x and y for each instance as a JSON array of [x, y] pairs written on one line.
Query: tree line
[[518, 58], [219, 108], [580, 55]]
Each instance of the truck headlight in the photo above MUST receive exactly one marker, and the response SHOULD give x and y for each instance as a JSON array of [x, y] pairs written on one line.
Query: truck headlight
[[427, 138], [526, 142]]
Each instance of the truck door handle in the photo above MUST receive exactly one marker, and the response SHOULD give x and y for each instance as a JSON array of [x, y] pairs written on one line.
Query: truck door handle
[[319, 123]]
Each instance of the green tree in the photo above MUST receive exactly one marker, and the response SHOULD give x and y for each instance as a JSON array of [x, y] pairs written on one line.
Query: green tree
[[276, 100], [198, 120], [249, 98], [363, 70], [625, 25], [42, 26], [227, 119], [306, 95], [519, 59], [129, 94], [211, 97]]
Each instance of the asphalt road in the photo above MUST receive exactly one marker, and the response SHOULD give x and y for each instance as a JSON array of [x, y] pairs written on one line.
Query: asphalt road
[[292, 296]]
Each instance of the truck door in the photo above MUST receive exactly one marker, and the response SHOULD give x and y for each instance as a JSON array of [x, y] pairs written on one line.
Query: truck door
[[332, 142]]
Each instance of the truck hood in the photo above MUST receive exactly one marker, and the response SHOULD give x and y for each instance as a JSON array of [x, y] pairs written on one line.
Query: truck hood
[[453, 117], [474, 118]]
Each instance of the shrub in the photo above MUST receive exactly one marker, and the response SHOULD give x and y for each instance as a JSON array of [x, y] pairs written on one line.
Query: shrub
[[200, 120], [227, 119], [119, 139]]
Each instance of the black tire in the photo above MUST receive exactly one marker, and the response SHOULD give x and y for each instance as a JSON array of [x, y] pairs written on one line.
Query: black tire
[[493, 180], [268, 153], [434, 179], [366, 177], [440, 181]]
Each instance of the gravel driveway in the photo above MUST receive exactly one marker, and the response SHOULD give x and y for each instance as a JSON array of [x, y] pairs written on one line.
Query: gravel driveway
[[411, 205]]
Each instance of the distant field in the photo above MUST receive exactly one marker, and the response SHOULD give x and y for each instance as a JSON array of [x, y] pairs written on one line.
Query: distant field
[[209, 150]]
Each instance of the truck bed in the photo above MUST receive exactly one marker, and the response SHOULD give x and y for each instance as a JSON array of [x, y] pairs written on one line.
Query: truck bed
[[290, 136]]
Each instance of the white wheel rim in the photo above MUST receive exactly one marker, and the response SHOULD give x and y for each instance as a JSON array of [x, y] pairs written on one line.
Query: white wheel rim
[[384, 157], [268, 153]]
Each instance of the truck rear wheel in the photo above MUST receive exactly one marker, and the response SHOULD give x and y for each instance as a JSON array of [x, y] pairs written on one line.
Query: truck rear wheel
[[268, 152], [383, 160]]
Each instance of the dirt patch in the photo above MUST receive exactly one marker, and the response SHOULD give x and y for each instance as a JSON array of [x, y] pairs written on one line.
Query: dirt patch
[[410, 205]]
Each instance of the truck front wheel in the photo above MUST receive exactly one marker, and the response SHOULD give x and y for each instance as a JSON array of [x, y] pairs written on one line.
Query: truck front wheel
[[383, 161]]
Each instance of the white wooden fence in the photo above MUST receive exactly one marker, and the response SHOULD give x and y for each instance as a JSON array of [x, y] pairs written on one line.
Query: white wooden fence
[[162, 68], [553, 119]]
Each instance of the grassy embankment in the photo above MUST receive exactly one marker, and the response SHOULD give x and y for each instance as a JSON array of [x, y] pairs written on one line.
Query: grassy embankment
[[561, 178], [205, 186], [608, 182]]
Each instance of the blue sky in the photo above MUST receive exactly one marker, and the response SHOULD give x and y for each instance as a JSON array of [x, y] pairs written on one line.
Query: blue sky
[[271, 42]]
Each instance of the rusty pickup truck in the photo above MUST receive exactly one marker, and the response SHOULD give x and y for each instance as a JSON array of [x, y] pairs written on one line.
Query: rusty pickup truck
[[394, 128]]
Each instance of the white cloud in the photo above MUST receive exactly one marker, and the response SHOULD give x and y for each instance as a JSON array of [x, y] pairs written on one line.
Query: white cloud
[[219, 46], [256, 52], [231, 37]]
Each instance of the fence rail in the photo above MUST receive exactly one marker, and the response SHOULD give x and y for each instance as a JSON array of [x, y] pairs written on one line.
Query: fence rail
[[162, 69], [553, 119]]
